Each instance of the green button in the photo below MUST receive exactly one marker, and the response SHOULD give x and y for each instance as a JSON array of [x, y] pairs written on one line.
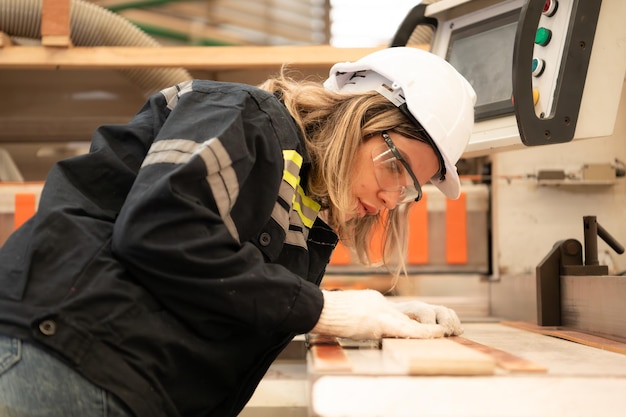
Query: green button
[[543, 36]]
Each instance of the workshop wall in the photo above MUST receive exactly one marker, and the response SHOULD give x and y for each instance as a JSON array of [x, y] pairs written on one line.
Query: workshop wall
[[529, 218]]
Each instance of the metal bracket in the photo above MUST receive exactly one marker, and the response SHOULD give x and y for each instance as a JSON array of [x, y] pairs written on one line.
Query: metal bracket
[[564, 252], [566, 258]]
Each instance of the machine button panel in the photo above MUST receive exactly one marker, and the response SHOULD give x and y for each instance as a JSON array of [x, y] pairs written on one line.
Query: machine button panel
[[550, 39]]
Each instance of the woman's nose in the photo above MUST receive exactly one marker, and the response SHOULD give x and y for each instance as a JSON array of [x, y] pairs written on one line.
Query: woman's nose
[[389, 198]]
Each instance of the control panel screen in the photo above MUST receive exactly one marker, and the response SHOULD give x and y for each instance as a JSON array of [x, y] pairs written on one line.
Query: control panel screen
[[483, 53]]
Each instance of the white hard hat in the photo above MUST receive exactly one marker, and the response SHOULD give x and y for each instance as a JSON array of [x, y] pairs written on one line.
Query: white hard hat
[[426, 86]]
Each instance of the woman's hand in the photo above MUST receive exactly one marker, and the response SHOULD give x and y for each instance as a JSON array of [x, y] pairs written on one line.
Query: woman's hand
[[367, 314], [432, 314]]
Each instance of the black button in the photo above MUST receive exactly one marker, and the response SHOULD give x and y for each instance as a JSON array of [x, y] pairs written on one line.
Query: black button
[[48, 327], [265, 239]]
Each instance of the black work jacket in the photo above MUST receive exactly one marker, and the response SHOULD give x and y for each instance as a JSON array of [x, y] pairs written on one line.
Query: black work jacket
[[172, 263]]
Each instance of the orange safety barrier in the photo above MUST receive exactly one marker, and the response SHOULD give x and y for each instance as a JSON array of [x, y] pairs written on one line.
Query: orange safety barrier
[[418, 251], [341, 255], [456, 230], [418, 233], [25, 206]]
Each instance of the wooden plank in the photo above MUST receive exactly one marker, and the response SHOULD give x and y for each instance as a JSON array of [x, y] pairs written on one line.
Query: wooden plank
[[216, 58], [62, 41], [504, 360], [330, 358], [438, 357], [301, 8], [571, 335], [5, 40], [182, 26], [262, 17], [55, 23], [268, 28]]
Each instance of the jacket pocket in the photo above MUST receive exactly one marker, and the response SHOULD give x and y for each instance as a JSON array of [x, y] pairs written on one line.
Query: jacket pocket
[[270, 241], [10, 352]]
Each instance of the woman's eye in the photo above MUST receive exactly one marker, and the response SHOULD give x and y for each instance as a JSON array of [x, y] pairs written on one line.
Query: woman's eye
[[394, 167]]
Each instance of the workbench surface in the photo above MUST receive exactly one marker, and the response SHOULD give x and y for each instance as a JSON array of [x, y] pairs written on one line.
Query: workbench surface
[[578, 380]]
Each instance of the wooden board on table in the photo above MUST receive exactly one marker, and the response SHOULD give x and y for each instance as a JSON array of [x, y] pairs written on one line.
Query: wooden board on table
[[330, 358], [571, 335], [438, 357], [504, 360]]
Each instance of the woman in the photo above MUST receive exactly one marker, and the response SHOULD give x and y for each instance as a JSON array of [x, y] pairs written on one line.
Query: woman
[[165, 270]]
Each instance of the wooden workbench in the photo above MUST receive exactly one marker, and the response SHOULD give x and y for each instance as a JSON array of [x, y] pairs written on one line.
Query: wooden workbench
[[577, 381]]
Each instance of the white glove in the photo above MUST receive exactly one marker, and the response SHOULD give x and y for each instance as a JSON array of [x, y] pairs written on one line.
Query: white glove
[[432, 314], [366, 314]]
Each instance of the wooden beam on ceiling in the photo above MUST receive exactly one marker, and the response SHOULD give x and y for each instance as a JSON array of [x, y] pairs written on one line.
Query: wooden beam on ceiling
[[218, 58]]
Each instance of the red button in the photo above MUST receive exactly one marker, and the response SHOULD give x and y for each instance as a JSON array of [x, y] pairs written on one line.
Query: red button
[[549, 7]]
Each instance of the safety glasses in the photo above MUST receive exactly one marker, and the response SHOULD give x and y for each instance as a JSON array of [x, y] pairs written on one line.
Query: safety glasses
[[393, 173]]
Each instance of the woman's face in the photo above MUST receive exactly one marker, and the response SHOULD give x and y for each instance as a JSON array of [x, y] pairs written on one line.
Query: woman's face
[[371, 181]]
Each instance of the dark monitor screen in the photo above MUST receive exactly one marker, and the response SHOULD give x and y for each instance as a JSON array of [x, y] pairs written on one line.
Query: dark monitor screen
[[483, 53]]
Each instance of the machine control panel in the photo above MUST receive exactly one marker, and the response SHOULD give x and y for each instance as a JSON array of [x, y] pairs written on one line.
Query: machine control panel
[[551, 57], [545, 71]]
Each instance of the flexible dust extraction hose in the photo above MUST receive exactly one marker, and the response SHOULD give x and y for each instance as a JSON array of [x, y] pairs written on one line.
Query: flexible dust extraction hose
[[91, 25]]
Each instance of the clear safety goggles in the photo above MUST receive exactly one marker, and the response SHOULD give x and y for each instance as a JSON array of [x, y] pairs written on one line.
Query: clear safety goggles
[[393, 173]]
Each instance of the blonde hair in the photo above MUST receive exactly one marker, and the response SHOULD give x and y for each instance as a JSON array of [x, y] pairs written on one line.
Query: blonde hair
[[334, 126]]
